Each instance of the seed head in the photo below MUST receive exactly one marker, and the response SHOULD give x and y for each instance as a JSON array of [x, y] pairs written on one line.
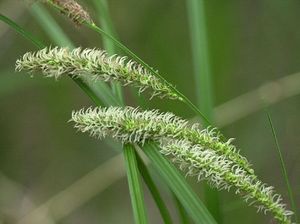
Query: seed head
[[94, 64], [73, 10], [135, 126]]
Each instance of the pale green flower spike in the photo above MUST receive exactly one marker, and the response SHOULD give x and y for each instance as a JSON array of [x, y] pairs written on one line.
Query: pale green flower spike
[[153, 124], [221, 173], [199, 152], [94, 64]]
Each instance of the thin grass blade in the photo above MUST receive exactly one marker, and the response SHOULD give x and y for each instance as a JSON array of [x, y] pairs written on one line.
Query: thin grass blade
[[154, 191], [135, 187], [50, 26], [283, 167], [184, 218]]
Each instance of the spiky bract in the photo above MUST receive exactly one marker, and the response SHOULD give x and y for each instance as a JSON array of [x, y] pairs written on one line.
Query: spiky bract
[[94, 64]]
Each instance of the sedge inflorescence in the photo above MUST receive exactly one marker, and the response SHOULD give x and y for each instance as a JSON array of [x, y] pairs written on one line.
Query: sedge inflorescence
[[200, 152], [73, 10], [94, 64]]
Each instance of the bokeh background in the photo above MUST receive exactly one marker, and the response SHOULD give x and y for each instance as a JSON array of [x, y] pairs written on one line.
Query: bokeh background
[[50, 172]]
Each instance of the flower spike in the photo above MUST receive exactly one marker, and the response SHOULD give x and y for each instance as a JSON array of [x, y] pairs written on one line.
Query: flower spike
[[94, 64]]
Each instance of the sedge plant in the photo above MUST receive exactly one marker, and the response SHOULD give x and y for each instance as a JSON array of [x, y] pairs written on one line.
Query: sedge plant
[[201, 152]]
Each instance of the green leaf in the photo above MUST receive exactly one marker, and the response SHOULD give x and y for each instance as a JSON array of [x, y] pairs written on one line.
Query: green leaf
[[154, 192], [49, 25], [135, 188], [184, 219], [178, 185]]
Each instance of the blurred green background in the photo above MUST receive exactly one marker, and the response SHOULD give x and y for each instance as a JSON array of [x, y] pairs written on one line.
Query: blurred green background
[[254, 47]]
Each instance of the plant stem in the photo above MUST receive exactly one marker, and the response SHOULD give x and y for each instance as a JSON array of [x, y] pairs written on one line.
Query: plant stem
[[135, 188]]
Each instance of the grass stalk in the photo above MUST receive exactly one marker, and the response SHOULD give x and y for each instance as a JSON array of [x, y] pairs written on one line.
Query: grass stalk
[[202, 76], [283, 168], [134, 183]]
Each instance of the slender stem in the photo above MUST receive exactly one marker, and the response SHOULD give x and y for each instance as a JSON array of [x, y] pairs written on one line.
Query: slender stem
[[135, 187], [283, 168]]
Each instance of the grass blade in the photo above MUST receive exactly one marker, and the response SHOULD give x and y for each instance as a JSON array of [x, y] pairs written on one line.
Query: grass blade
[[49, 25], [283, 167], [184, 219], [199, 45], [135, 188], [202, 74], [177, 183], [154, 191]]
